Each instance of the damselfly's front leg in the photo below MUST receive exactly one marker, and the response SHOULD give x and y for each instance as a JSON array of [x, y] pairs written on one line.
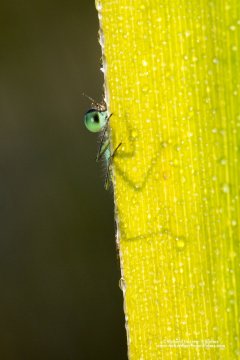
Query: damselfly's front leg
[[106, 184]]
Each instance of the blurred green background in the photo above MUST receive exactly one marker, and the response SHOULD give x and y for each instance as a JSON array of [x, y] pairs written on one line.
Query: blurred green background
[[59, 294]]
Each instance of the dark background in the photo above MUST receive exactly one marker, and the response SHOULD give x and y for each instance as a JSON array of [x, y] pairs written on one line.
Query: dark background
[[59, 272]]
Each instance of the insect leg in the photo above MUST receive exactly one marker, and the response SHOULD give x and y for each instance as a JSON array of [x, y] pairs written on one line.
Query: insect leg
[[106, 184], [104, 146]]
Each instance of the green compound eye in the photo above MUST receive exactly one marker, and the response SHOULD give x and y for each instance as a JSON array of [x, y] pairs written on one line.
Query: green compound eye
[[95, 120]]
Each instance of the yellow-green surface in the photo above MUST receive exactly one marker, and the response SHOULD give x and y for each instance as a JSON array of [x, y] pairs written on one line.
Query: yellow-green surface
[[172, 72]]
